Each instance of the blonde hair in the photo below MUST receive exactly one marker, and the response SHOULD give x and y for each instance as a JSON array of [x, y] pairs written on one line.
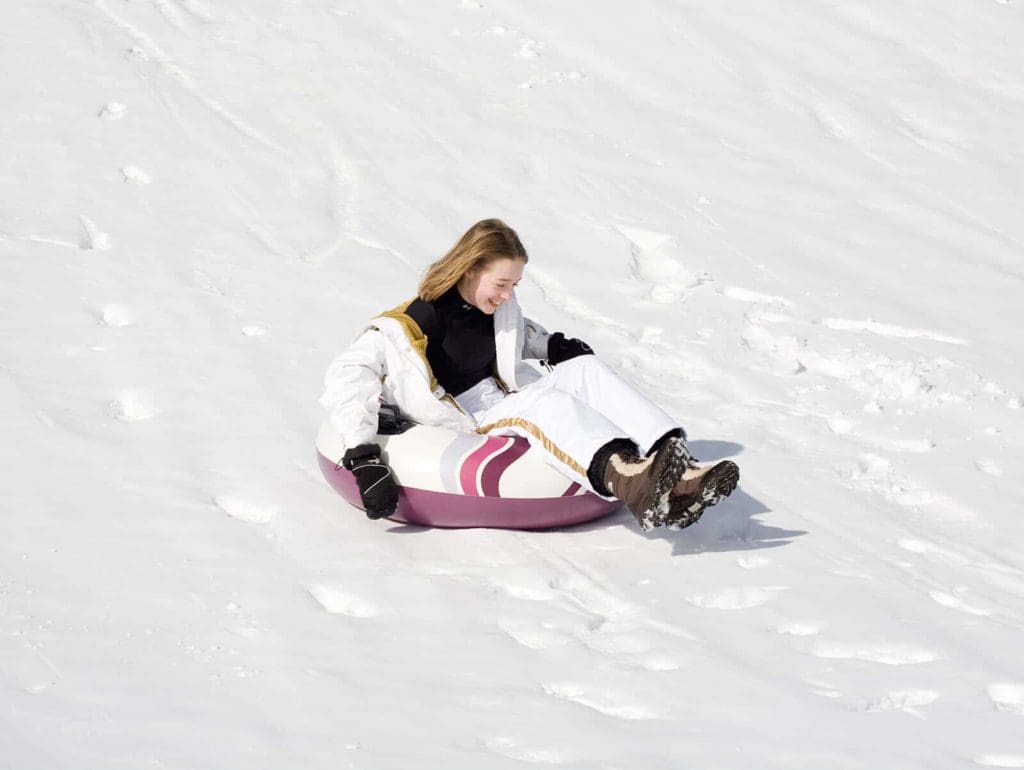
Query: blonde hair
[[486, 241]]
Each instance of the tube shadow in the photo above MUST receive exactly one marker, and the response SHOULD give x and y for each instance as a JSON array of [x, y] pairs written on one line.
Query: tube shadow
[[728, 526], [708, 451]]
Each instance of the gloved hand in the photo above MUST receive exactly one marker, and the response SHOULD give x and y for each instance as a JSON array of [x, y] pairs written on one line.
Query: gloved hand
[[561, 349], [377, 487]]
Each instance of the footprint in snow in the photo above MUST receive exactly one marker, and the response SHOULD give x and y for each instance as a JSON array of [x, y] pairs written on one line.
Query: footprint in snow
[[617, 644], [740, 294], [339, 601], [528, 48], [113, 111], [135, 175], [132, 406], [989, 466], [912, 445], [652, 265], [908, 701], [512, 749], [824, 692], [633, 641], [798, 628], [534, 636], [93, 239], [840, 425], [545, 636], [573, 76], [245, 510], [736, 598], [657, 663], [251, 633], [115, 316], [533, 588], [582, 590], [1007, 697]]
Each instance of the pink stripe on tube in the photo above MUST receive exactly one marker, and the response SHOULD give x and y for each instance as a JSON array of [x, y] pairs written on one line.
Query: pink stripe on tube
[[572, 490], [471, 465], [498, 464]]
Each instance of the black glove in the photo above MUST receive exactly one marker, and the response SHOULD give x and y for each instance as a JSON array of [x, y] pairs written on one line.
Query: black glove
[[377, 488], [561, 349]]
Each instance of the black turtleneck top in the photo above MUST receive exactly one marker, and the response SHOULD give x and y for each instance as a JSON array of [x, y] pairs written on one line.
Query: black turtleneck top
[[460, 340]]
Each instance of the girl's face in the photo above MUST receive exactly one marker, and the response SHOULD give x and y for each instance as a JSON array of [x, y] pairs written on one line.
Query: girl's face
[[487, 287]]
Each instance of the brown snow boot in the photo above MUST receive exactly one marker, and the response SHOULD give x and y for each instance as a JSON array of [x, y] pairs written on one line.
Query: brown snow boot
[[699, 488], [645, 484]]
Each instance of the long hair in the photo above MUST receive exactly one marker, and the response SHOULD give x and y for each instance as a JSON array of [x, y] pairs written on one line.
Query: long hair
[[483, 243]]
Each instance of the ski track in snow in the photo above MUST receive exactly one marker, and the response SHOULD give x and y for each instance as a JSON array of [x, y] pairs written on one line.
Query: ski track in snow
[[605, 702], [1000, 760], [147, 49], [736, 598], [513, 749], [748, 295], [890, 330], [887, 654], [953, 601]]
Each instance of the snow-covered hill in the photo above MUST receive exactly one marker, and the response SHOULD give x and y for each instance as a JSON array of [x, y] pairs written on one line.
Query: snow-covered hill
[[796, 225]]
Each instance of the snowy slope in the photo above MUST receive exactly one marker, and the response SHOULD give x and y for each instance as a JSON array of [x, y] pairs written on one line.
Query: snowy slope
[[795, 225]]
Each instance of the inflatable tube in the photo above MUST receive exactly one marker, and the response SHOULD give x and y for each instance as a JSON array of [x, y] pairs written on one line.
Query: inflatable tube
[[449, 479]]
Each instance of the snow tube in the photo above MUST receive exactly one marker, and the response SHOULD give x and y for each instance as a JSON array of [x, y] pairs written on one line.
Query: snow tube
[[449, 479]]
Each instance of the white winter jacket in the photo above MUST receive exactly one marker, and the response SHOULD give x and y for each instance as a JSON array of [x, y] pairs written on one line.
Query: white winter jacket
[[388, 361]]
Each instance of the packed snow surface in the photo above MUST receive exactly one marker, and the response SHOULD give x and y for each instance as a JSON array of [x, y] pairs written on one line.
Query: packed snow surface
[[796, 226]]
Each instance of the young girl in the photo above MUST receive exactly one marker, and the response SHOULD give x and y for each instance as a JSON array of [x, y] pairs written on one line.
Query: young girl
[[454, 356]]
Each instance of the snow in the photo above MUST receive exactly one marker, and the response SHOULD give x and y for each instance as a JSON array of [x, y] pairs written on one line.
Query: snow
[[797, 227]]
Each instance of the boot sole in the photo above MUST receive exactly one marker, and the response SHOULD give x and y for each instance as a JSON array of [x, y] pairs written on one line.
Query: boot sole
[[670, 465], [718, 484]]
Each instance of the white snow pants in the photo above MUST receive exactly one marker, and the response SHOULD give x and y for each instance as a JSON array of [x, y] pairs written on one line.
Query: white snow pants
[[569, 414]]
